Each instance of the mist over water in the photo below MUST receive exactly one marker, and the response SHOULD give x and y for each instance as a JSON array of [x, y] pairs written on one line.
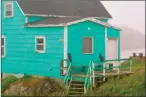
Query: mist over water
[[127, 53]]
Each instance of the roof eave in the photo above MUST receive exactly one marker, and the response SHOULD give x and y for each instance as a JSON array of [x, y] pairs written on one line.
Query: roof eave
[[71, 23]]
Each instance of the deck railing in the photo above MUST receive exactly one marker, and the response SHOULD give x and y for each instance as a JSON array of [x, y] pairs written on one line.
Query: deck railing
[[88, 78], [104, 67], [68, 77]]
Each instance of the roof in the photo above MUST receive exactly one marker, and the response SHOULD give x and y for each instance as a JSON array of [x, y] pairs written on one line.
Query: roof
[[54, 21], [82, 8], [64, 21]]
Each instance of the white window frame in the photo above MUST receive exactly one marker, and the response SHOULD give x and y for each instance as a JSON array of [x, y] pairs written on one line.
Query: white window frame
[[44, 39], [4, 46], [92, 44], [6, 3]]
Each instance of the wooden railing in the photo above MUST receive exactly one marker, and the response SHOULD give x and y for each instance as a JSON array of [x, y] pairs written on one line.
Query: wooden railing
[[104, 68], [68, 75], [88, 78]]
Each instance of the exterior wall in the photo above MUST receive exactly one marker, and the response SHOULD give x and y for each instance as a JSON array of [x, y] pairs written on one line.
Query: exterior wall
[[75, 34], [114, 33], [34, 18], [103, 20], [20, 47]]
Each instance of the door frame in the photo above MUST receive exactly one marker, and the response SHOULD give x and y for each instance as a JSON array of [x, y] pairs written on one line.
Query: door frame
[[65, 48]]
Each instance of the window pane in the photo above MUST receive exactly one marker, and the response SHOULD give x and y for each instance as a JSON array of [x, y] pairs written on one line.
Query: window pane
[[40, 47], [8, 13], [9, 7], [2, 41], [2, 51], [90, 45], [87, 45], [40, 40]]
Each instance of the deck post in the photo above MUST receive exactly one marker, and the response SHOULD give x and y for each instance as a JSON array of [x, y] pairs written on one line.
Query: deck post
[[93, 76], [118, 68], [130, 65], [104, 71]]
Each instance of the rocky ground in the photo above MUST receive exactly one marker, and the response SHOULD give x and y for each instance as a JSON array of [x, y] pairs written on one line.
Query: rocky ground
[[31, 86]]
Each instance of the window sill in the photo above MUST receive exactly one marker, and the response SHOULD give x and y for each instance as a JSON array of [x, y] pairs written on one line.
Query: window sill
[[40, 52], [87, 53]]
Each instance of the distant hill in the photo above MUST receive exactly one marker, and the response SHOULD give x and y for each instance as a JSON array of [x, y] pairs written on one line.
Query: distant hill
[[131, 39]]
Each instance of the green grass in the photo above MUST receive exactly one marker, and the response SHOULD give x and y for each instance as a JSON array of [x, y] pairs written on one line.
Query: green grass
[[133, 85], [7, 81], [137, 64]]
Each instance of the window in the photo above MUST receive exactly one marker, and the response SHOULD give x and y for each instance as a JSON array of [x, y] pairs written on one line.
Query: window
[[87, 45], [8, 9], [40, 44], [3, 46]]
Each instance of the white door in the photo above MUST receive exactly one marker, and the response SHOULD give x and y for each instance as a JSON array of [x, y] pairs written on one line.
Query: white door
[[112, 49]]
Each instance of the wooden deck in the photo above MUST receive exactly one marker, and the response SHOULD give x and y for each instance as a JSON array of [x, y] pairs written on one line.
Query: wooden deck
[[100, 74]]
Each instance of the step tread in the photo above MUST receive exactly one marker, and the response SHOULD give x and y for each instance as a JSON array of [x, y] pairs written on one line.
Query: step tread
[[74, 95], [77, 84], [76, 88], [74, 92]]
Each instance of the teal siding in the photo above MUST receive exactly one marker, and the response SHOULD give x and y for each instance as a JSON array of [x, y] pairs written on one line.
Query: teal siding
[[75, 34], [20, 47], [34, 18], [103, 20], [114, 33]]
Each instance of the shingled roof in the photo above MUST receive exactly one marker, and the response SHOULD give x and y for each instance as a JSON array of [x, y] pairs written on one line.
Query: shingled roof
[[54, 21], [81, 8]]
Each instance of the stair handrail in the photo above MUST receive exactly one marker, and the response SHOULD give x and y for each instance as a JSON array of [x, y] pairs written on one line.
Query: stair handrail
[[88, 78], [68, 74], [93, 74]]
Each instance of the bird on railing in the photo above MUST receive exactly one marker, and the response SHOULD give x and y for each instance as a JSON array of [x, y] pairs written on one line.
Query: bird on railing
[[101, 58]]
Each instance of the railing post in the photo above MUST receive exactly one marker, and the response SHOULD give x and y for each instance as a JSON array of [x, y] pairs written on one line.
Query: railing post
[[130, 65], [118, 71], [104, 72], [90, 76], [93, 73], [84, 89]]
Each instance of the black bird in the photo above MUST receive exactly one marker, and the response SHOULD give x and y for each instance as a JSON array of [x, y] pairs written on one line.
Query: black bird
[[70, 57], [101, 58]]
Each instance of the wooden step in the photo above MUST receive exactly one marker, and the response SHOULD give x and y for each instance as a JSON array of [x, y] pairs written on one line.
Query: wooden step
[[77, 89], [77, 86], [75, 93], [77, 82]]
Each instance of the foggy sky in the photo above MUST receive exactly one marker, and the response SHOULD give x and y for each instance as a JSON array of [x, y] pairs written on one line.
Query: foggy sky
[[128, 13]]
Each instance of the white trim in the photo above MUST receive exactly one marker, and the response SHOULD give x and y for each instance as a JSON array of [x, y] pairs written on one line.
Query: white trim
[[92, 44], [20, 8], [106, 42], [4, 46], [26, 19], [6, 3], [44, 44], [93, 20], [45, 15], [65, 48], [44, 25], [101, 18], [42, 15], [74, 22]]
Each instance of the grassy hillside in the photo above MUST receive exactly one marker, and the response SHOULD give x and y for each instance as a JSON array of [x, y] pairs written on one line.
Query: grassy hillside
[[133, 85]]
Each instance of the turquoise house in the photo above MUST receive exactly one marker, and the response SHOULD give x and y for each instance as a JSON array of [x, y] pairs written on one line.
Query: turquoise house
[[38, 34]]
